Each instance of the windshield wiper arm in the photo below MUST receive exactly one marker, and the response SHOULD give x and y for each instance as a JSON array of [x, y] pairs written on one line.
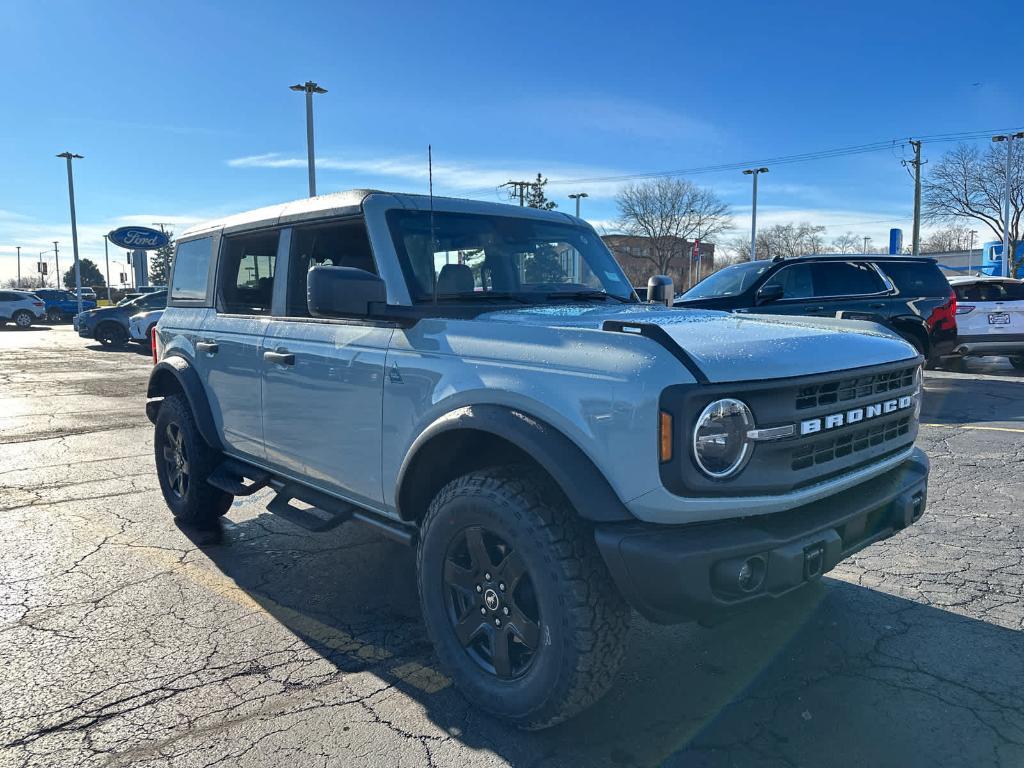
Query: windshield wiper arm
[[586, 295], [476, 295]]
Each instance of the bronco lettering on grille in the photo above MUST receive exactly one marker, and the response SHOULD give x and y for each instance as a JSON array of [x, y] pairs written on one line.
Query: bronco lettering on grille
[[852, 416]]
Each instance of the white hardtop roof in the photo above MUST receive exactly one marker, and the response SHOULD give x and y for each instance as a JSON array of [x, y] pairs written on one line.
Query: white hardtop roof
[[350, 202], [981, 279]]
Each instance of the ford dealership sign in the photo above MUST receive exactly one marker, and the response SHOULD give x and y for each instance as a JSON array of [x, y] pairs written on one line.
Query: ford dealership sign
[[138, 238]]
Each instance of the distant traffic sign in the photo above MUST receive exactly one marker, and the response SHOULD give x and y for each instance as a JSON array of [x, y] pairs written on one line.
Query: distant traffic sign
[[139, 238]]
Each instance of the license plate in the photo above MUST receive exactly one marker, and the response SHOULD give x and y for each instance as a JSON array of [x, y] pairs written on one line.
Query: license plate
[[998, 318]]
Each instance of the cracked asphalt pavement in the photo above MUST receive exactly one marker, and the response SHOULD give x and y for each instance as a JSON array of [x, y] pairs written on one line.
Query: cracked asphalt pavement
[[126, 640]]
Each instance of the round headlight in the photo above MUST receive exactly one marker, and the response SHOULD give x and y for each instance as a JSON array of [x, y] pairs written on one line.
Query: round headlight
[[720, 442]]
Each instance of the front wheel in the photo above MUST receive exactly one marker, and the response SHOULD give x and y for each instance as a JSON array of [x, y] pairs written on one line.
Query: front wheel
[[111, 335], [54, 316], [516, 599], [183, 462], [23, 319]]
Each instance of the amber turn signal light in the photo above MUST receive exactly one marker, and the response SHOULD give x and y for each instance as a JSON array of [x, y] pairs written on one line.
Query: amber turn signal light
[[664, 436]]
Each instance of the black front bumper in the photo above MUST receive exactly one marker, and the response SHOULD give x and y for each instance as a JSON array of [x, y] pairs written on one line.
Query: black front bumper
[[678, 573]]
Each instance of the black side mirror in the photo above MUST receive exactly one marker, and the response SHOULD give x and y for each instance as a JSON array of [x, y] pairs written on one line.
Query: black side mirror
[[770, 293], [343, 291], [660, 290]]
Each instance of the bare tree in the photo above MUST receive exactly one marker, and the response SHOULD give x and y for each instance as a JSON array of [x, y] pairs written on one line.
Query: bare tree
[[668, 212], [847, 243], [956, 237], [784, 241], [968, 183], [28, 283]]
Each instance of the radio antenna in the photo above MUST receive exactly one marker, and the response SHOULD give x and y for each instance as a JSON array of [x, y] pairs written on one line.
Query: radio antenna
[[433, 240]]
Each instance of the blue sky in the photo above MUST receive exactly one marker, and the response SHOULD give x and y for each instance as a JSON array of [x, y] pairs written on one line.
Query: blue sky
[[182, 109]]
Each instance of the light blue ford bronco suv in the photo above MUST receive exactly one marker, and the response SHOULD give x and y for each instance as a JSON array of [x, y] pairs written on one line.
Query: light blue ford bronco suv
[[481, 382]]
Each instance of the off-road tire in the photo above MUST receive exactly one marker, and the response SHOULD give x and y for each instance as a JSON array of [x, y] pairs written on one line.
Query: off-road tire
[[23, 318], [197, 502], [583, 618]]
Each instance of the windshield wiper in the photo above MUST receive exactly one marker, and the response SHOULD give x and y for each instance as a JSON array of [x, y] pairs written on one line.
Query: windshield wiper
[[476, 295], [586, 295]]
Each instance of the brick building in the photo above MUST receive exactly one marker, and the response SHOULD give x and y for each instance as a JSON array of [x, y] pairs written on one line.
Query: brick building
[[684, 270]]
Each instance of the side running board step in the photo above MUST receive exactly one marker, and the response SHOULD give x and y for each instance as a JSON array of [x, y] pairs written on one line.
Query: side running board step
[[322, 513], [238, 478]]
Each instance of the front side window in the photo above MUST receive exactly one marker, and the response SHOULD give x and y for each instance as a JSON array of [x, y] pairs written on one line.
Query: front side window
[[191, 267], [247, 274], [342, 244], [730, 281], [797, 281], [473, 256]]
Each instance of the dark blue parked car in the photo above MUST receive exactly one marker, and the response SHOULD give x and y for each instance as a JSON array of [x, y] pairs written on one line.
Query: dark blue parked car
[[61, 305], [109, 325]]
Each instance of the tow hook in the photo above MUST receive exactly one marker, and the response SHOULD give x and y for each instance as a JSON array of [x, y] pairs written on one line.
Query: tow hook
[[814, 560]]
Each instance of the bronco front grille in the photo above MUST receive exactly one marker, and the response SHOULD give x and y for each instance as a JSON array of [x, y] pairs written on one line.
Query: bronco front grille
[[843, 390], [824, 451]]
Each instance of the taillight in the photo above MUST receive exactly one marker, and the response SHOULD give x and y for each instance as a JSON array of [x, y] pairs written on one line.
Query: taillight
[[152, 342], [952, 303], [944, 316], [963, 309], [38, 304]]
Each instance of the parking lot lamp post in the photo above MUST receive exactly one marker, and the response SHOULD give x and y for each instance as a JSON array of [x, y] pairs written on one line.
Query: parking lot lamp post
[[56, 255], [309, 87], [69, 156], [867, 239], [577, 197], [970, 248], [1008, 138], [755, 172], [106, 255], [19, 265]]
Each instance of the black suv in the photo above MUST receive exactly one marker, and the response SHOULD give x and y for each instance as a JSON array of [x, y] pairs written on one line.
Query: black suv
[[905, 293]]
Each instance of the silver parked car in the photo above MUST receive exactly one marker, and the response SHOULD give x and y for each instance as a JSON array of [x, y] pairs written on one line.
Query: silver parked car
[[21, 308], [141, 325], [481, 382]]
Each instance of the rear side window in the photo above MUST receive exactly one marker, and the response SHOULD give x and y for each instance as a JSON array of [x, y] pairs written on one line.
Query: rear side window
[[247, 274], [916, 278], [796, 281], [191, 268], [8, 296], [990, 291], [844, 278]]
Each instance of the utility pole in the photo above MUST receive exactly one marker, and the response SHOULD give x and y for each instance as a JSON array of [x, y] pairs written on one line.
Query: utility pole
[[106, 255], [866, 238], [1008, 138], [518, 187], [755, 172], [309, 88], [916, 162], [19, 265], [69, 156], [56, 255], [577, 198], [970, 248]]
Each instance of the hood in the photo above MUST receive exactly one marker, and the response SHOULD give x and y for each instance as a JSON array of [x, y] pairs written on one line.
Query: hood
[[731, 347]]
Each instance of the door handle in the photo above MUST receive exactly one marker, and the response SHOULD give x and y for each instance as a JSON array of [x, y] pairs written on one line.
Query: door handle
[[209, 347], [814, 308], [281, 358], [877, 305]]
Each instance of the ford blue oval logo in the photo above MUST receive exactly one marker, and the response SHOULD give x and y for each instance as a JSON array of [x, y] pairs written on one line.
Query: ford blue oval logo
[[141, 238]]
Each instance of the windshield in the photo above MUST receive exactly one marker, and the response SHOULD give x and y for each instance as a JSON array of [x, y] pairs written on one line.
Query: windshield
[[730, 281], [479, 257]]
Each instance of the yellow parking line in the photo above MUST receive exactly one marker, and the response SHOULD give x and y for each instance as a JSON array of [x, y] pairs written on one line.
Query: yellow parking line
[[973, 426]]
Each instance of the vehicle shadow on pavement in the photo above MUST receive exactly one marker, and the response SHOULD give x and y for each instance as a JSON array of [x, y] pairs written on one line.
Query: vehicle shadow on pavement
[[962, 399], [14, 329], [836, 675], [132, 348]]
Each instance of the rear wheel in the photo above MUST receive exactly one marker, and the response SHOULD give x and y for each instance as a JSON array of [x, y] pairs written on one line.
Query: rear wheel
[[183, 462], [54, 315], [111, 335], [23, 318], [516, 599]]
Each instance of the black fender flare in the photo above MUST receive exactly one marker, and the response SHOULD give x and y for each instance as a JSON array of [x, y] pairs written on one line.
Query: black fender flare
[[182, 372], [580, 480], [915, 326]]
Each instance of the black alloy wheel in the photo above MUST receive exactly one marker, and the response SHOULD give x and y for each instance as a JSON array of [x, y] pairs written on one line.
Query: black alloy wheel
[[175, 457], [111, 335], [491, 601]]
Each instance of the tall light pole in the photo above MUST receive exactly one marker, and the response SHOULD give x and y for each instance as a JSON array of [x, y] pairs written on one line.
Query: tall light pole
[[56, 256], [19, 265], [577, 197], [1008, 138], [69, 156], [309, 87], [866, 239], [106, 255], [755, 172], [970, 248]]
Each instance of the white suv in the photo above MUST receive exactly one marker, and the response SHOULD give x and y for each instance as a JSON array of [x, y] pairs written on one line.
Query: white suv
[[990, 317], [20, 307]]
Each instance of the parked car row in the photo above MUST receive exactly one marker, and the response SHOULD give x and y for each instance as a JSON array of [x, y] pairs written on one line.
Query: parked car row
[[111, 326]]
